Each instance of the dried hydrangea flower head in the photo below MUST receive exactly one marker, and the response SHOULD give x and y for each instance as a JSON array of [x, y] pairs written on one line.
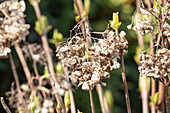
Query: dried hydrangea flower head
[[12, 25], [35, 52], [88, 66], [155, 66], [143, 25]]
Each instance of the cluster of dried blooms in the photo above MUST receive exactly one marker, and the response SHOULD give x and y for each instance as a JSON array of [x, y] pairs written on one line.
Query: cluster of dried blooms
[[157, 65], [12, 25], [89, 65], [35, 52], [144, 24], [40, 99]]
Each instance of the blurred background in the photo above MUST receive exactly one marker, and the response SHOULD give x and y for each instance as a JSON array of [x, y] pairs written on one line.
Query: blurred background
[[60, 14]]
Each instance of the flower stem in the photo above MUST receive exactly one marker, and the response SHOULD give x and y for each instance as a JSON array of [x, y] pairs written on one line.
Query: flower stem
[[91, 101], [14, 71], [48, 55], [167, 96], [4, 105], [73, 108], [24, 65], [161, 98], [125, 84]]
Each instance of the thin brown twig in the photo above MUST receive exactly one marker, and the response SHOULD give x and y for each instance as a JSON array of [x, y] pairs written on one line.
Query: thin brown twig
[[167, 97], [34, 61], [73, 108], [125, 84], [153, 83], [24, 64], [48, 55], [14, 71], [104, 107], [4, 105], [161, 98], [144, 92], [91, 101]]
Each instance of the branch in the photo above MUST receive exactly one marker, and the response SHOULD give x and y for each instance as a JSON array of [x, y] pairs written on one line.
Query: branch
[[24, 64], [91, 101], [125, 84], [4, 105], [48, 55]]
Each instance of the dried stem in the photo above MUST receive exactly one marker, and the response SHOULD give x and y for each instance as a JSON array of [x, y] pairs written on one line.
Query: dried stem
[[144, 92], [73, 108], [161, 98], [167, 100], [4, 105], [91, 101], [102, 99], [48, 55], [125, 84], [153, 83], [87, 35], [14, 71], [166, 95], [24, 65], [34, 62]]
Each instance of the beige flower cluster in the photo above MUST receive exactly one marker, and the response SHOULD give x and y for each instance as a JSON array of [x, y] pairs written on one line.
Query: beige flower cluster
[[35, 52], [144, 20], [12, 25], [155, 66], [89, 65]]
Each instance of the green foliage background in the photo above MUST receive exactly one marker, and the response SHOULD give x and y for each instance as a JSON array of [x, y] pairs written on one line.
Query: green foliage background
[[60, 14]]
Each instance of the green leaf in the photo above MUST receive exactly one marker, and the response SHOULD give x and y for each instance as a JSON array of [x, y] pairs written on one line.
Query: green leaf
[[78, 111], [20, 109], [87, 5], [115, 24], [155, 98], [156, 6], [46, 73], [137, 53], [58, 106], [42, 25], [57, 37], [109, 98], [38, 27], [59, 68], [36, 100], [67, 99]]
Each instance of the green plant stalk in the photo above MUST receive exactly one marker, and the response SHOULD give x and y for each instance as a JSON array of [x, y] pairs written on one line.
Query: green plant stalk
[[125, 84]]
